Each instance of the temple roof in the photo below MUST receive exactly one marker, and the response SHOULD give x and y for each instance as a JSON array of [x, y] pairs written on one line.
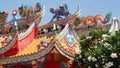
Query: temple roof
[[41, 46]]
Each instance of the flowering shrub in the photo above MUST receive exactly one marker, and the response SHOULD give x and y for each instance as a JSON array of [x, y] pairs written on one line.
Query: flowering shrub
[[100, 49]]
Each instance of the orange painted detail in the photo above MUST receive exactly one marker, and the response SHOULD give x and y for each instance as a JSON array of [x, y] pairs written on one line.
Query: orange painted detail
[[99, 17], [91, 20]]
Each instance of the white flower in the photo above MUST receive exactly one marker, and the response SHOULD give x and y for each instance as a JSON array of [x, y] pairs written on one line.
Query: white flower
[[103, 59], [103, 62], [102, 40], [80, 56], [89, 67], [106, 45], [113, 55], [89, 58], [105, 35], [108, 65], [96, 65], [83, 59], [89, 37], [95, 46], [102, 56], [92, 58]]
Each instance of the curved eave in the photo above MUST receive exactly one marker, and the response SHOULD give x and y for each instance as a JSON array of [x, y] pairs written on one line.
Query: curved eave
[[38, 20], [63, 52], [64, 48], [28, 56], [27, 32]]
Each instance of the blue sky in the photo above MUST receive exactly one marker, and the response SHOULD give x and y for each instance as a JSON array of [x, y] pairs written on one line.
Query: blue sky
[[88, 7]]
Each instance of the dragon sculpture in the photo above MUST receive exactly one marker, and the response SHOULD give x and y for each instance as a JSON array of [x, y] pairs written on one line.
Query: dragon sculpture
[[90, 20], [28, 12], [25, 12], [61, 11], [3, 17]]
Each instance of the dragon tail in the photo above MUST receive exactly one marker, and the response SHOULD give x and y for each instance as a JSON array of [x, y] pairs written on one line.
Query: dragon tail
[[108, 16]]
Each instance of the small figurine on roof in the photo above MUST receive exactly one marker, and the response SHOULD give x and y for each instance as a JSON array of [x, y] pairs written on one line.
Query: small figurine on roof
[[62, 11]]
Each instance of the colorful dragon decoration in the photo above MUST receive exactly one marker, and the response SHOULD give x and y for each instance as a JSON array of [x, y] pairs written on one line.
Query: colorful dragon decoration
[[90, 20], [3, 17], [28, 12], [61, 11]]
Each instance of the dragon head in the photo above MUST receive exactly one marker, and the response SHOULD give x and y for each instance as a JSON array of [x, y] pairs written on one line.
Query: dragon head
[[63, 7], [4, 14], [38, 7], [52, 10]]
